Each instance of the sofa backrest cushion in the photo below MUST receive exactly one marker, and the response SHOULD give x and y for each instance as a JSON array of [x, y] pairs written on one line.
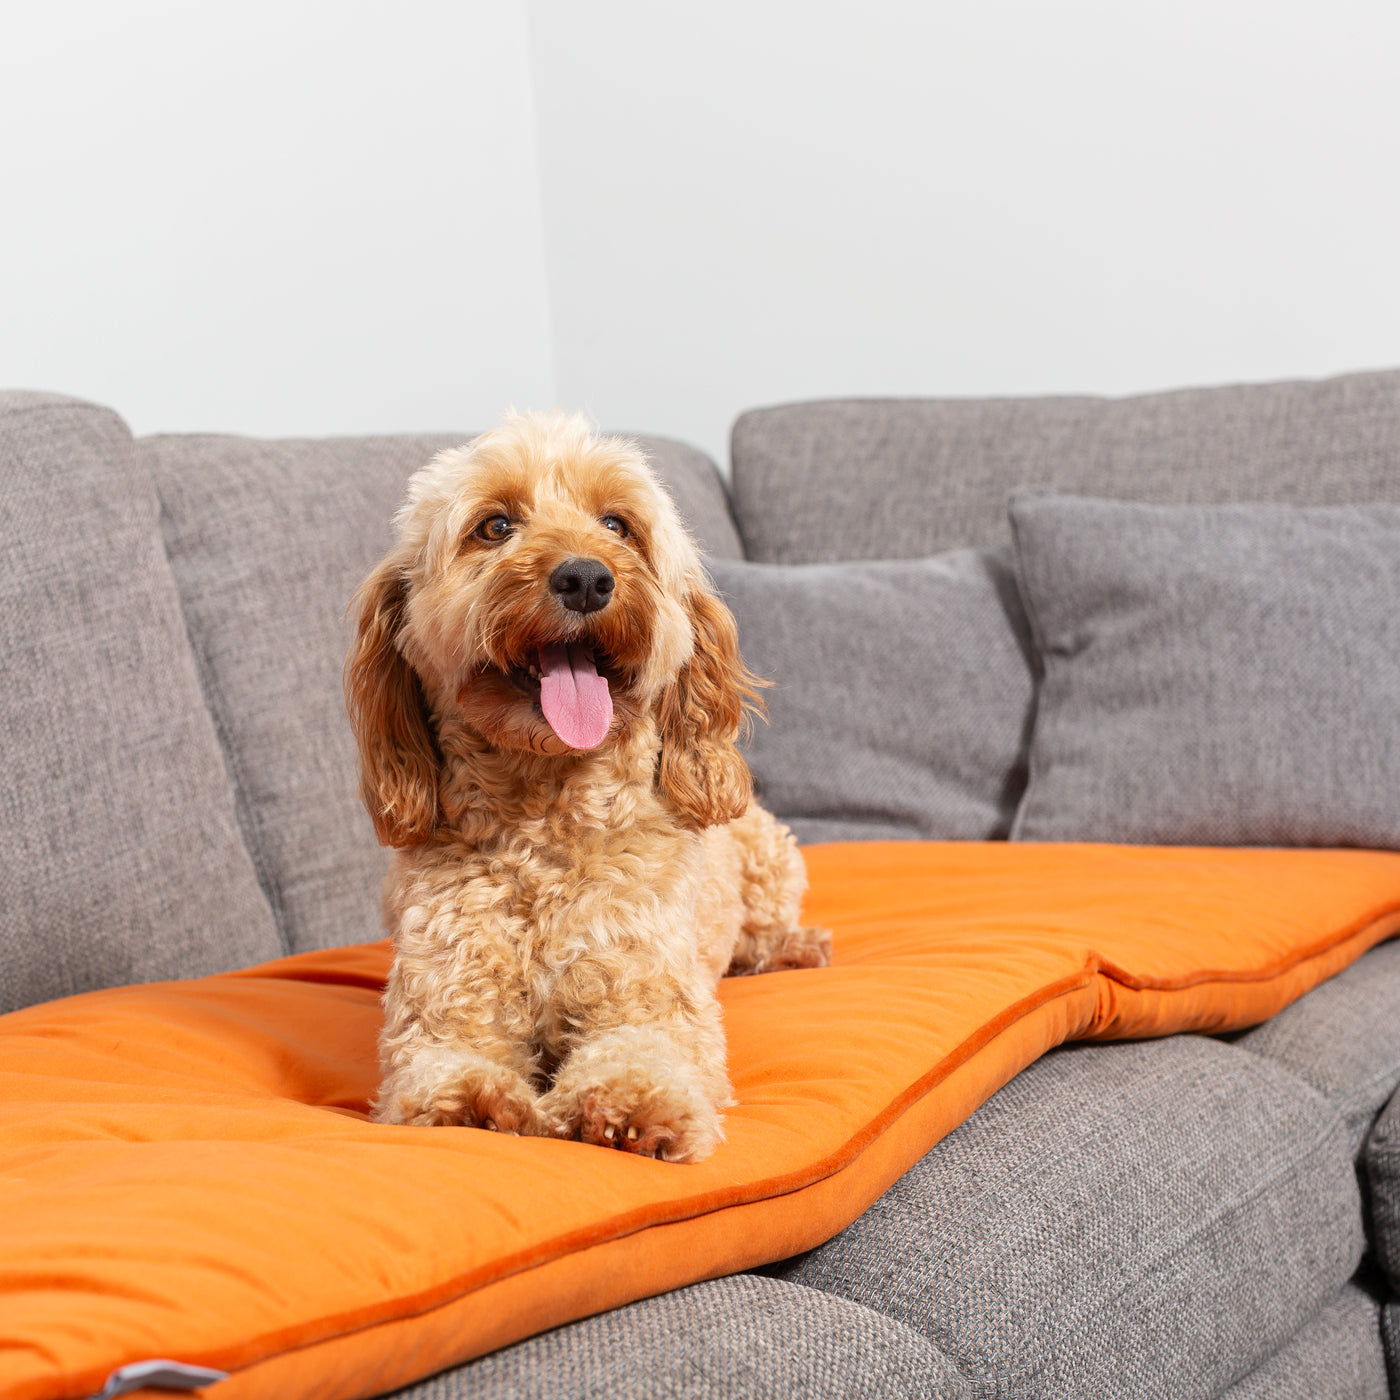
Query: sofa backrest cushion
[[268, 541], [901, 695], [1213, 675], [120, 854], [890, 478]]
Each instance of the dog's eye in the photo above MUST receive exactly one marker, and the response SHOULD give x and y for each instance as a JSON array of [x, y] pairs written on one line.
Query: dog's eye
[[616, 524], [493, 528]]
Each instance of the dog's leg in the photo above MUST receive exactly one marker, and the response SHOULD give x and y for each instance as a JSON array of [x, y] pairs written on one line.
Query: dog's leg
[[439, 1085], [772, 881], [457, 1045], [645, 1074]]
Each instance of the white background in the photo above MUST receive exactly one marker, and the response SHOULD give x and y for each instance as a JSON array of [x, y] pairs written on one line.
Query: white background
[[349, 217]]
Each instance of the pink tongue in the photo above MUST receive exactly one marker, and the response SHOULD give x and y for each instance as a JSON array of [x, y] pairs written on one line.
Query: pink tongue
[[573, 696]]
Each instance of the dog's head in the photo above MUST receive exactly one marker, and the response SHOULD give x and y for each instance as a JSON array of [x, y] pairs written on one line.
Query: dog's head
[[543, 590]]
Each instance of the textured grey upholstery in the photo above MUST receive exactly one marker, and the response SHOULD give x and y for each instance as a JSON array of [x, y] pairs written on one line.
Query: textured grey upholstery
[[1212, 675], [902, 694], [1123, 1220], [1343, 1038], [268, 541], [899, 478], [1381, 1166], [120, 856], [737, 1338], [1337, 1356]]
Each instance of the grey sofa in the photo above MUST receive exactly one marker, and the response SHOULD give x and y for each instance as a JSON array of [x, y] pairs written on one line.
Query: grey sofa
[[1188, 1217]]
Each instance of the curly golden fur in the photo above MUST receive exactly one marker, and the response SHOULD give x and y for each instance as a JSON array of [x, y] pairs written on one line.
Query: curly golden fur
[[562, 907]]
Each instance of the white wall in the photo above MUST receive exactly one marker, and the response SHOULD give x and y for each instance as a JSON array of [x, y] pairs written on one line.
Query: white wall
[[347, 217], [271, 217], [752, 202]]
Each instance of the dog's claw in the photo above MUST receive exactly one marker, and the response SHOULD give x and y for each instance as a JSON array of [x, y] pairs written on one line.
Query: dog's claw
[[632, 1133], [489, 1125], [610, 1132]]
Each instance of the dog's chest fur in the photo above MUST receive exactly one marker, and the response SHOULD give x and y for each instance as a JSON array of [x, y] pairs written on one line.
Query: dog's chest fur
[[547, 888]]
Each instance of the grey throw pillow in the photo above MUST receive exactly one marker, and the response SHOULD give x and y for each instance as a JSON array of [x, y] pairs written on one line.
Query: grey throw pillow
[[1213, 675], [901, 694]]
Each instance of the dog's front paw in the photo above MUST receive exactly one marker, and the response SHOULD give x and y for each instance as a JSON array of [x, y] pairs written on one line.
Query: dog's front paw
[[649, 1120], [459, 1088], [653, 1108]]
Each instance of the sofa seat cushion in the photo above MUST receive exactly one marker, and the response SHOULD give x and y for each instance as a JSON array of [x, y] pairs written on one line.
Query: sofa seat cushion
[[192, 1159], [268, 540], [120, 854], [900, 478], [1336, 1356], [1115, 1214], [743, 1336], [1343, 1038], [901, 694]]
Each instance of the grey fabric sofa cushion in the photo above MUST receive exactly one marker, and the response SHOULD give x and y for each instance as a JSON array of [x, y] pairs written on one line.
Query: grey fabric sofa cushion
[[1119, 1220], [1343, 1038], [120, 856], [1381, 1167], [1337, 1356], [743, 1336], [268, 541], [1213, 675], [892, 478], [901, 696]]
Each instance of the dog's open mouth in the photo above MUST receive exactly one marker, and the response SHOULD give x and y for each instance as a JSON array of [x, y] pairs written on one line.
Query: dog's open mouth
[[573, 697]]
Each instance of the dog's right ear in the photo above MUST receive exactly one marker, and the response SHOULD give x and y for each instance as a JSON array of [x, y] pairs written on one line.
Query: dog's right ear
[[399, 759]]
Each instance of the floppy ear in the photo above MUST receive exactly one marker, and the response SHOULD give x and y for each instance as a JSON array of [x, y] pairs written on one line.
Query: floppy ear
[[701, 714], [399, 759]]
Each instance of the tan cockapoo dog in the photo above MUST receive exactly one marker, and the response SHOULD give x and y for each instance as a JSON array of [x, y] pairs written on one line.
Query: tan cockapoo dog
[[546, 693]]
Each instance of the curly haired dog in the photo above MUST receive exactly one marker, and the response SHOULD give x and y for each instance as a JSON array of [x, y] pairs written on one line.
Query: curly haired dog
[[546, 694]]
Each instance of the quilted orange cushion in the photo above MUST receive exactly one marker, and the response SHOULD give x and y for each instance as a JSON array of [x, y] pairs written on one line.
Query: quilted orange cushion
[[186, 1170]]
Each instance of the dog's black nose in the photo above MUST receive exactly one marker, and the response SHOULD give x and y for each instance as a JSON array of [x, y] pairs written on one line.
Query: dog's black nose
[[582, 585]]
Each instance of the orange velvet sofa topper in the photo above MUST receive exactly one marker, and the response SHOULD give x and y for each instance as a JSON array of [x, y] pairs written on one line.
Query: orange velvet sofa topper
[[186, 1169]]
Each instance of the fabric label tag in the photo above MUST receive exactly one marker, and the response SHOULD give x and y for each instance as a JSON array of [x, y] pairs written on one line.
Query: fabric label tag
[[163, 1375]]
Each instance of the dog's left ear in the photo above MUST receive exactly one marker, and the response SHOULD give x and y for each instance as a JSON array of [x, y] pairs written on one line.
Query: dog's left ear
[[701, 715]]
